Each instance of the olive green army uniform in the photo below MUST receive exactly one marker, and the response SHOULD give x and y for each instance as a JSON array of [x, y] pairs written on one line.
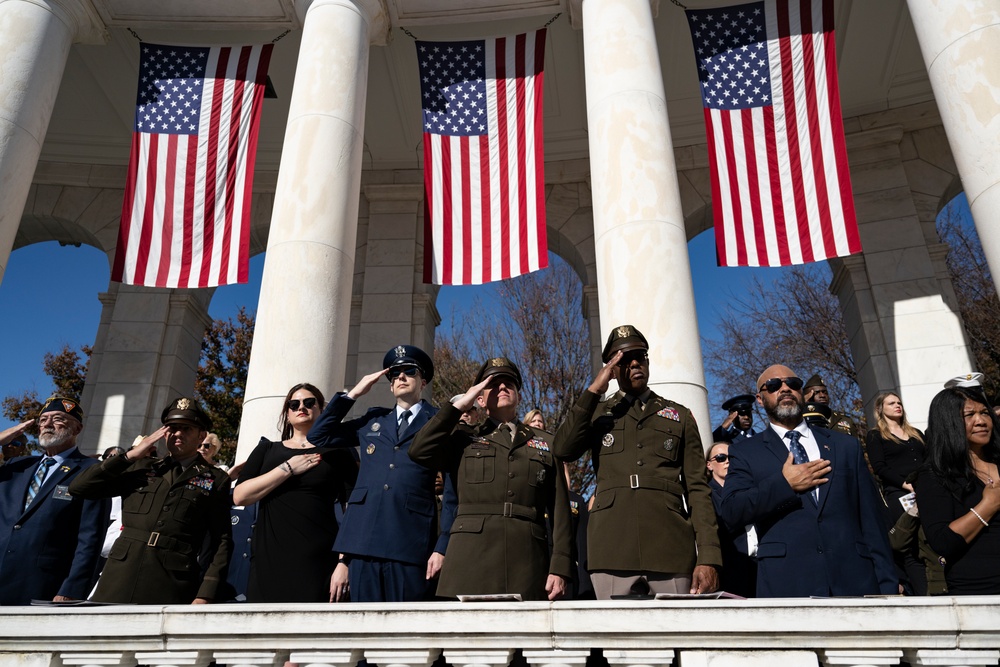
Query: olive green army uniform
[[648, 461], [166, 515], [505, 486]]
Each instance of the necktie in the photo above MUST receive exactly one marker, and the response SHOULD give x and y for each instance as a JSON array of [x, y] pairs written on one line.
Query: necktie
[[39, 477], [404, 420], [799, 456], [505, 433]]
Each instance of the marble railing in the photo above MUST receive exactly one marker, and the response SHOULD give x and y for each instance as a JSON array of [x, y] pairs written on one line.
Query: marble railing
[[691, 633]]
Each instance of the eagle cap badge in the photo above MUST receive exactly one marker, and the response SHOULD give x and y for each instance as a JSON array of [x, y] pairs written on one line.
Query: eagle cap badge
[[183, 404]]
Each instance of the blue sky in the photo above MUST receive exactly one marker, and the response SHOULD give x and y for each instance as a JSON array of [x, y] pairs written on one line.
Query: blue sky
[[50, 294]]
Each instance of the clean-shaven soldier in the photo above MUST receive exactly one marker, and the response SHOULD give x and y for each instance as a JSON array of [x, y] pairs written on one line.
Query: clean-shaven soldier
[[391, 550]]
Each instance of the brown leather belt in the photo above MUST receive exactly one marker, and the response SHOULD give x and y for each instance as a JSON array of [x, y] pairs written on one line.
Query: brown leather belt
[[505, 509], [157, 540]]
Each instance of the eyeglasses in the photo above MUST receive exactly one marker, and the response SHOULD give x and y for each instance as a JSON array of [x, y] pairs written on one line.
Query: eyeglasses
[[634, 355], [307, 403], [409, 371], [720, 458], [55, 421], [774, 384]]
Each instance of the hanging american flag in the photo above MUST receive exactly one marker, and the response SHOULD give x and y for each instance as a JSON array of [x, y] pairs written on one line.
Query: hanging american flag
[[186, 214], [781, 190], [484, 179]]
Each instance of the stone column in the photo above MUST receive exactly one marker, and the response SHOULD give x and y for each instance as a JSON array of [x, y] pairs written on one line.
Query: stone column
[[35, 37], [303, 315], [644, 277], [478, 657], [397, 308], [960, 42], [905, 331], [145, 355], [950, 657]]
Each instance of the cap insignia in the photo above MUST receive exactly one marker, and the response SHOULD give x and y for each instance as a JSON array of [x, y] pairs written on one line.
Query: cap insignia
[[400, 351], [183, 404], [68, 406], [622, 331], [497, 362]]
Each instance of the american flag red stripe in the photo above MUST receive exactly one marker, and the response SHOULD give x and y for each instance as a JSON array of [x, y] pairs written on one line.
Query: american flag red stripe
[[186, 213], [484, 216], [781, 191]]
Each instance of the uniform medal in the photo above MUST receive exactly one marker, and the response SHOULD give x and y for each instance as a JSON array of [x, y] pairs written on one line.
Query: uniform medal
[[371, 447], [608, 440]]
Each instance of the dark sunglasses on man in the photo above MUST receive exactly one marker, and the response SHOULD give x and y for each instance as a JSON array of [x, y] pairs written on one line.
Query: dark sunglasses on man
[[634, 355], [408, 371], [720, 458], [774, 384], [309, 403]]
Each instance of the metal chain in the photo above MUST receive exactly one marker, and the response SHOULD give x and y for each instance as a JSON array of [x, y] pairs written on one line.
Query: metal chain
[[552, 20], [133, 33], [409, 34], [678, 4], [274, 41]]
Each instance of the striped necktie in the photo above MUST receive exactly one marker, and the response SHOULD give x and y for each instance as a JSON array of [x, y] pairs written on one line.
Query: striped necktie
[[38, 478], [799, 457]]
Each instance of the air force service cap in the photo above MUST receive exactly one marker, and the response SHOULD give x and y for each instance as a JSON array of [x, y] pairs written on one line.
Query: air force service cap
[[409, 355], [737, 403]]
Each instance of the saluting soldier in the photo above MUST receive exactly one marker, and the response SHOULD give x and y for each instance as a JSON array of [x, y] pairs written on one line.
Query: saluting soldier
[[507, 480], [652, 526], [169, 507], [389, 541]]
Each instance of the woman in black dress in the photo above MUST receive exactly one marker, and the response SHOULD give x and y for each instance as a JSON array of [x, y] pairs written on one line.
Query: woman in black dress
[[896, 450], [958, 490], [298, 489]]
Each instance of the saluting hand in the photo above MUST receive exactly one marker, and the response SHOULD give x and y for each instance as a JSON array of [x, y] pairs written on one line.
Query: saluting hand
[[469, 398], [804, 476], [366, 384], [603, 380], [149, 442], [9, 434]]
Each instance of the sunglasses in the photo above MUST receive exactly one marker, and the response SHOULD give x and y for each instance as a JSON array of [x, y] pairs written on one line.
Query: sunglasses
[[410, 371], [636, 355], [744, 412], [308, 403], [774, 384], [720, 458]]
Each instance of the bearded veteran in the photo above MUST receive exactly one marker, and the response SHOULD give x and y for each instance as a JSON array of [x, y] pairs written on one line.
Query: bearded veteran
[[507, 480], [648, 458], [169, 507]]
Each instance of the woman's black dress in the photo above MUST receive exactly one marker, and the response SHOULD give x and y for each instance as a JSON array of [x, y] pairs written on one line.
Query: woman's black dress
[[293, 557]]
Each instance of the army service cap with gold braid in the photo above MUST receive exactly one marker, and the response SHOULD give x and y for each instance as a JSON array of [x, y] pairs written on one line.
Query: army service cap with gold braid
[[499, 366], [186, 410], [65, 405], [626, 337]]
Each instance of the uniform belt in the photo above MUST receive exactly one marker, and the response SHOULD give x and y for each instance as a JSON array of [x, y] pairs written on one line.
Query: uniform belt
[[505, 509], [157, 540], [646, 482]]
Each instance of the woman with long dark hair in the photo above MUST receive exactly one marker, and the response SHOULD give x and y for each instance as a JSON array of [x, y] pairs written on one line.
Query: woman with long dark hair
[[958, 490], [298, 488]]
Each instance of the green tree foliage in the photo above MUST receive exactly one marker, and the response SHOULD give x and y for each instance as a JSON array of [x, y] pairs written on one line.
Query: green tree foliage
[[222, 376], [68, 371]]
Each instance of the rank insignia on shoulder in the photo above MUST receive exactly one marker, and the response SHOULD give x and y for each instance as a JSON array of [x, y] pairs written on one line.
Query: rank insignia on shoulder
[[536, 443], [669, 413], [371, 448], [608, 440], [376, 426]]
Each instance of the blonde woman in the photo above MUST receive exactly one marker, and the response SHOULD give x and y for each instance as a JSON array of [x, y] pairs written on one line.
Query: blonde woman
[[535, 419], [896, 451]]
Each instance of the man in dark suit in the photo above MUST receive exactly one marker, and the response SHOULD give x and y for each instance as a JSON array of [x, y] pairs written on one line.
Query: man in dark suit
[[173, 510], [507, 482], [812, 500], [389, 541], [50, 541]]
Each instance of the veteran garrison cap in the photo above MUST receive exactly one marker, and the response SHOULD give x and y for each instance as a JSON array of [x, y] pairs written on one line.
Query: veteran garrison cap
[[186, 410], [65, 405], [499, 366], [741, 402], [814, 381], [409, 355], [969, 380], [625, 337]]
